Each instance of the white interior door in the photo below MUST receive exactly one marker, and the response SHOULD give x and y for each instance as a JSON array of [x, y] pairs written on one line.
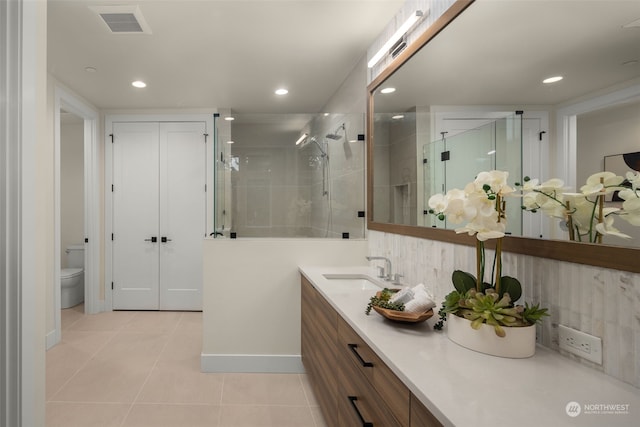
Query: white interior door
[[159, 215], [182, 214], [135, 216]]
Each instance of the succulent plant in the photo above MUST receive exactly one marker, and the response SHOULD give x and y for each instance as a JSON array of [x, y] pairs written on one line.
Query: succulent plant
[[490, 307]]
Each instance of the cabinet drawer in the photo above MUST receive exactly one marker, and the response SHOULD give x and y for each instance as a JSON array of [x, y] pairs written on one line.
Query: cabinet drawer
[[392, 391], [358, 402], [420, 416]]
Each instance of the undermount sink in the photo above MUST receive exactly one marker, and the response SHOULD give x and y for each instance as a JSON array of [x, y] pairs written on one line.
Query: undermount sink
[[362, 281]]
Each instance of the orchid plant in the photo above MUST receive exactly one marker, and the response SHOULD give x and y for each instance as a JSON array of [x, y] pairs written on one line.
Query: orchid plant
[[584, 213], [480, 209]]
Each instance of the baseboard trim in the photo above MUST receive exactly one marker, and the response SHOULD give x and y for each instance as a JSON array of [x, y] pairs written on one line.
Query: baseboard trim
[[51, 339], [251, 363]]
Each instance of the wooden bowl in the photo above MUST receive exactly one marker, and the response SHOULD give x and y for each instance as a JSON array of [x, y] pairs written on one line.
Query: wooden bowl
[[401, 316]]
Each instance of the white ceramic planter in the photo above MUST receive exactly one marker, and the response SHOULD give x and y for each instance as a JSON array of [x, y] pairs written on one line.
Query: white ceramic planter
[[518, 343]]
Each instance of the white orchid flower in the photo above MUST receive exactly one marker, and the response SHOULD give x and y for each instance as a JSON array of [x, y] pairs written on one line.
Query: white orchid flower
[[438, 202], [634, 178], [459, 210], [627, 194], [529, 200], [552, 184], [530, 184], [606, 228], [591, 189]]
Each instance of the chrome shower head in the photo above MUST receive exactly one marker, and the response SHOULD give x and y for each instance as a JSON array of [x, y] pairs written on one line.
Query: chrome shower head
[[334, 135]]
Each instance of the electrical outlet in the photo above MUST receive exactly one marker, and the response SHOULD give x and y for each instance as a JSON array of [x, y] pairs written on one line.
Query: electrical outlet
[[581, 344]]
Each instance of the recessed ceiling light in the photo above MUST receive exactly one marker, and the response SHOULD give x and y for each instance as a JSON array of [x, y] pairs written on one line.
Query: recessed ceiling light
[[398, 117], [281, 91], [90, 69], [139, 84], [326, 114], [388, 90], [229, 118], [230, 142], [552, 79]]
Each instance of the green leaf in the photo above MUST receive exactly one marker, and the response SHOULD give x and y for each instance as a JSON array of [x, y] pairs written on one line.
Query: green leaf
[[463, 281], [512, 286]]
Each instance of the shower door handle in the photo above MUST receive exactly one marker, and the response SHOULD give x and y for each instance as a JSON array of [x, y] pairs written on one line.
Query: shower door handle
[[153, 239], [163, 239]]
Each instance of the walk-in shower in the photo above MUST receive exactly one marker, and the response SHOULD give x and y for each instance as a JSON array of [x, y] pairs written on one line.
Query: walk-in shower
[[293, 176]]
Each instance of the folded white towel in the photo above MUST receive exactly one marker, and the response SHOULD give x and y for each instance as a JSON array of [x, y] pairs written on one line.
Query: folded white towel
[[420, 302], [403, 296], [419, 287]]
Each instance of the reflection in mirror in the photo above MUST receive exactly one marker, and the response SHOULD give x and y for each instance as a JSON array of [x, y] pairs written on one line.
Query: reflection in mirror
[[491, 60]]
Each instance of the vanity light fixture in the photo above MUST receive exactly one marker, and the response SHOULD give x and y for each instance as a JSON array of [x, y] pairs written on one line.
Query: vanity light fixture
[[138, 84], [388, 90], [281, 91], [302, 138], [401, 31], [552, 79]]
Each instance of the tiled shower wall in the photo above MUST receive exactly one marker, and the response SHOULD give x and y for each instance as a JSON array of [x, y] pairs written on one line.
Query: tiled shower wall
[[598, 301]]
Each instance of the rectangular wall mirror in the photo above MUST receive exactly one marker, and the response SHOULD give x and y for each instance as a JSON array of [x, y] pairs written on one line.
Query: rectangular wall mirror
[[473, 85]]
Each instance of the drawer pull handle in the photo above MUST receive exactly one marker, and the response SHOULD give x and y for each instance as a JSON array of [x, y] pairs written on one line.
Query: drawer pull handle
[[353, 348], [352, 400]]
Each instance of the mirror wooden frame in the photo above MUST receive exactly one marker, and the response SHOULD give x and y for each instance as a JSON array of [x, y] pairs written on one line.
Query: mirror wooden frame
[[614, 257]]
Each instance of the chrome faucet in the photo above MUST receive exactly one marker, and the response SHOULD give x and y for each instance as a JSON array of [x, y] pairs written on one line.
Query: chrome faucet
[[383, 273]]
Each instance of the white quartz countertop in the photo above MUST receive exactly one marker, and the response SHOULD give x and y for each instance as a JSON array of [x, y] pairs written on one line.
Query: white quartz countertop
[[464, 388]]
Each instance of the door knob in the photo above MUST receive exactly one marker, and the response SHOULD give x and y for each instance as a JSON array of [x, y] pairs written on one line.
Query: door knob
[[164, 239], [153, 239]]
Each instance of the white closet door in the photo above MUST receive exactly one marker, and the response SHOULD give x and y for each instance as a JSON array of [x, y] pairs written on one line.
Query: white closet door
[[135, 216], [182, 214]]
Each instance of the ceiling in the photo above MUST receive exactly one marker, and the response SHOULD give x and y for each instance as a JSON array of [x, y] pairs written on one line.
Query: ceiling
[[213, 53]]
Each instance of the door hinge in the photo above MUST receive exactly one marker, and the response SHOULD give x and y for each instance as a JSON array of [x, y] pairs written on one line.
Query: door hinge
[[86, 240], [205, 137], [424, 161], [445, 155], [111, 285], [112, 188], [111, 236], [205, 188], [111, 135]]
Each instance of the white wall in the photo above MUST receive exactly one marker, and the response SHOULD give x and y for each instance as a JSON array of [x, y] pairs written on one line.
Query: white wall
[[251, 299]]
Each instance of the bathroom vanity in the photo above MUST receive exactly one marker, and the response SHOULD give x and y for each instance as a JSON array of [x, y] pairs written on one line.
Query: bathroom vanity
[[366, 370]]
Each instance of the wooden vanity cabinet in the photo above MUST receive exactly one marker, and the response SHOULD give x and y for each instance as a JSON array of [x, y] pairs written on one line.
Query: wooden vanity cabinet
[[420, 416], [319, 349], [353, 386]]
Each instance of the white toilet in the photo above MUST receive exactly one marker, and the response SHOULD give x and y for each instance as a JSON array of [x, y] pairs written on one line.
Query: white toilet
[[72, 277]]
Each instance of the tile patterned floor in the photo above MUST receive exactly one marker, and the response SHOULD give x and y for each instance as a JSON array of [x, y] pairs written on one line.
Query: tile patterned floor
[[138, 369]]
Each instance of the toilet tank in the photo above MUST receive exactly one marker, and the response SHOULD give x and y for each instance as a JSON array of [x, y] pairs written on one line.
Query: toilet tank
[[75, 256]]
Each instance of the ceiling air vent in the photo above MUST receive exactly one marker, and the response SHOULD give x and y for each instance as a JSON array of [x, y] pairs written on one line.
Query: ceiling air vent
[[123, 19]]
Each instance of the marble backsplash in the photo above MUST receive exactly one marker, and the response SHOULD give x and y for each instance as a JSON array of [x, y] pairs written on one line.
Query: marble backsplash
[[598, 301]]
